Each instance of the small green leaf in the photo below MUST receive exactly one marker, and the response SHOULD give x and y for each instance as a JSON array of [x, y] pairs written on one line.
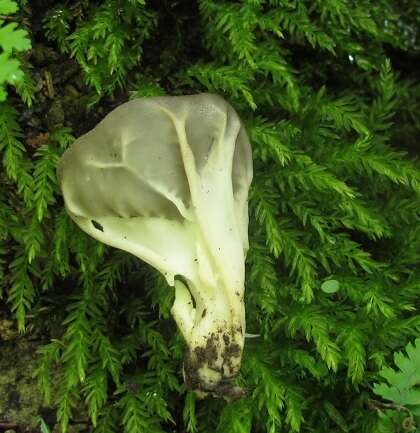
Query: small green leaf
[[330, 286], [9, 69], [13, 38], [8, 7], [402, 388]]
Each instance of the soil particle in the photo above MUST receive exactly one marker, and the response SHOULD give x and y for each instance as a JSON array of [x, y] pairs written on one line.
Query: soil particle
[[208, 353], [97, 225], [232, 350]]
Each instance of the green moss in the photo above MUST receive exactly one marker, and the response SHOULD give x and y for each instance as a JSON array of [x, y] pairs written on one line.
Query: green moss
[[20, 398], [330, 95]]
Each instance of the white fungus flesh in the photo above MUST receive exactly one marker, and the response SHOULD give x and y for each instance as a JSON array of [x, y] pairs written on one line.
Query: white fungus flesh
[[167, 179]]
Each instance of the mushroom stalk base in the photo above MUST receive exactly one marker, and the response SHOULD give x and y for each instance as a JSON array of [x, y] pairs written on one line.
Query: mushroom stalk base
[[211, 368], [214, 331]]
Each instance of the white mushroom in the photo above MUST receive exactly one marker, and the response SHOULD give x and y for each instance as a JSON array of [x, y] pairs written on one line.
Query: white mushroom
[[167, 179]]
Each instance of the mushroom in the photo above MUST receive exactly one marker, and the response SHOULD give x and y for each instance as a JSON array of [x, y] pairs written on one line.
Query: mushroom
[[167, 179]]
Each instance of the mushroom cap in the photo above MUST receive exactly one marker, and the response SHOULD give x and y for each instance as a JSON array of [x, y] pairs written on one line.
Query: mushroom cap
[[153, 170]]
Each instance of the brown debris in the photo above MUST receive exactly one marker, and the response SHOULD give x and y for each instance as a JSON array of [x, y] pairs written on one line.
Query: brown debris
[[38, 140]]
